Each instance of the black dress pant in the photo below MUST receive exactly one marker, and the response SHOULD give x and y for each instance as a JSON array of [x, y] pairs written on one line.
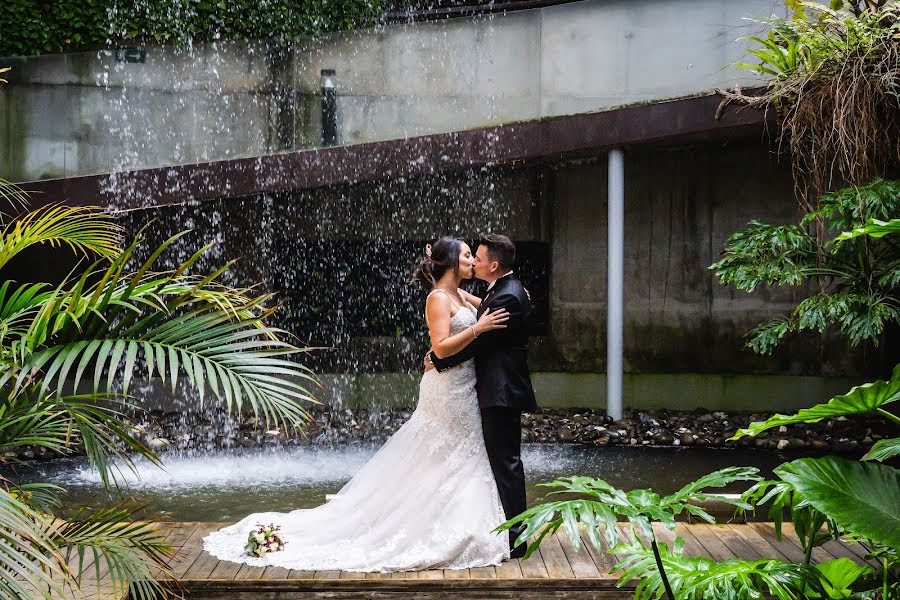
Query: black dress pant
[[503, 438]]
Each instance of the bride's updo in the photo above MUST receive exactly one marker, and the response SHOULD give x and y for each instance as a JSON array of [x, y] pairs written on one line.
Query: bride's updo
[[438, 259]]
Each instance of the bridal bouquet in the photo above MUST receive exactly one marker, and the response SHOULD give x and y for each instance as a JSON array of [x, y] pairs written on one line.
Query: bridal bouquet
[[264, 539]]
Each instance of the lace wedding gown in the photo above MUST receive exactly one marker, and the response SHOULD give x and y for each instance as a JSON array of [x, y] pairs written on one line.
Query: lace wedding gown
[[426, 500]]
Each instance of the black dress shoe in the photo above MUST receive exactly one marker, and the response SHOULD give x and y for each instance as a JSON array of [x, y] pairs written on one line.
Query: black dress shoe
[[518, 552]]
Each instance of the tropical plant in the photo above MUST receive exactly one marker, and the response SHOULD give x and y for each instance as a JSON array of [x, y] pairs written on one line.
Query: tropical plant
[[67, 356], [599, 507], [856, 274], [834, 79], [850, 498]]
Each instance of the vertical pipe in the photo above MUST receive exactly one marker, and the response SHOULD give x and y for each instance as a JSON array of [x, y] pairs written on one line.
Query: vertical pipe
[[329, 108], [615, 282]]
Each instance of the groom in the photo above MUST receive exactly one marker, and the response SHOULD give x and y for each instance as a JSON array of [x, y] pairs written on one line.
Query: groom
[[503, 382]]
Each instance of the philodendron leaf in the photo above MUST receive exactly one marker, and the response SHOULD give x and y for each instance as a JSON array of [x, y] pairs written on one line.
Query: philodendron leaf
[[862, 497], [838, 575], [861, 399], [873, 228], [883, 450]]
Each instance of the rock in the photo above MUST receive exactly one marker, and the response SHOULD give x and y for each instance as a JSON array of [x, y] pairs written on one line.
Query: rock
[[819, 445], [686, 439], [663, 438], [565, 434], [601, 441], [782, 444], [783, 429], [797, 443], [705, 418]]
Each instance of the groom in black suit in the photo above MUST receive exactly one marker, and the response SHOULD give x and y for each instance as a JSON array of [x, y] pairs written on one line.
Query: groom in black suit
[[504, 384]]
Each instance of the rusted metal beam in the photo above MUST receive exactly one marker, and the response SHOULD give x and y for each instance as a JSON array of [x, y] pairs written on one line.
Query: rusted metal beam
[[552, 139]]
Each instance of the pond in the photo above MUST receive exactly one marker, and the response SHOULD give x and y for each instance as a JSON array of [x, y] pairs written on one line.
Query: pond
[[226, 485]]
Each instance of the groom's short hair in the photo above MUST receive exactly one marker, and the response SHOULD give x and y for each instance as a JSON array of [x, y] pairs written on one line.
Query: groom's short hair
[[501, 249]]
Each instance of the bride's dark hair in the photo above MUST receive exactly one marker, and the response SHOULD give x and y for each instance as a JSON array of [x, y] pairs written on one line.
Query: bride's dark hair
[[444, 256]]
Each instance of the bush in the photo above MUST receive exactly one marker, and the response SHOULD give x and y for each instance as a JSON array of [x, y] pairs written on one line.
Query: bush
[[32, 27]]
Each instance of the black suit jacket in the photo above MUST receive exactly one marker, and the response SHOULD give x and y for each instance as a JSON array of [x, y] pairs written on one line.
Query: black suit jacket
[[500, 354]]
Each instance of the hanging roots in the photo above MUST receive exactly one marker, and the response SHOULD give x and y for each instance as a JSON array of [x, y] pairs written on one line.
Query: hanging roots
[[839, 120]]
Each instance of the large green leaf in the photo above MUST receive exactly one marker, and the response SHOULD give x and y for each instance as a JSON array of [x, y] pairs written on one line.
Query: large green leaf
[[839, 575], [883, 450], [866, 398], [862, 497], [873, 228]]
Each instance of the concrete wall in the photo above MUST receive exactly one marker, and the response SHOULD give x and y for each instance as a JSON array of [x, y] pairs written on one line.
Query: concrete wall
[[326, 251], [69, 115]]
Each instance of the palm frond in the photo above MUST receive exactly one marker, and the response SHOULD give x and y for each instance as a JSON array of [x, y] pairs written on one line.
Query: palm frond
[[30, 563], [178, 325], [112, 544], [12, 195], [85, 230], [98, 425]]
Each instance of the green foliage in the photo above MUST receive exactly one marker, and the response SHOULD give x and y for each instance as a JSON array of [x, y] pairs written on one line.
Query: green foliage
[[857, 273], [31, 28], [603, 504], [833, 74], [862, 497], [700, 578], [839, 576], [884, 449], [862, 399], [808, 521], [94, 328]]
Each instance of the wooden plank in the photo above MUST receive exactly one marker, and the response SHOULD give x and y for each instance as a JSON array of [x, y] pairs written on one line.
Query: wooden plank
[[785, 546], [509, 569], [819, 554], [191, 549], [248, 572], [738, 546], [533, 567], [626, 535], [378, 575], [603, 560], [714, 546], [295, 574], [555, 559], [483, 573], [330, 574], [759, 543], [404, 575], [352, 575], [580, 561], [457, 574], [273, 572], [431, 574], [203, 567], [843, 550], [692, 546], [225, 570]]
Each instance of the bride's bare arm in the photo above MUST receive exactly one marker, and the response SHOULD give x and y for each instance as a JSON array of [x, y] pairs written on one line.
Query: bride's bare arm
[[470, 298], [438, 314]]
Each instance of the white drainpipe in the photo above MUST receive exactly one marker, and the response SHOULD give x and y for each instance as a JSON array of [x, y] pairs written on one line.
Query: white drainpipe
[[615, 282]]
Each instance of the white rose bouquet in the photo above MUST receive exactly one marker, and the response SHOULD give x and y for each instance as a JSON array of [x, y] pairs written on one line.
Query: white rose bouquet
[[264, 539]]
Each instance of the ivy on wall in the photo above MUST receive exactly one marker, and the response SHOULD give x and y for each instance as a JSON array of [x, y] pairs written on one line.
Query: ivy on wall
[[32, 27]]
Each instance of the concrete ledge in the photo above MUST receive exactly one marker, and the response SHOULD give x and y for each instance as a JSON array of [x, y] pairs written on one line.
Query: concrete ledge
[[681, 391], [684, 120]]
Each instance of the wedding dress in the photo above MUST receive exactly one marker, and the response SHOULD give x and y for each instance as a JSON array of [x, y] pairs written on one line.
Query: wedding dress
[[426, 500]]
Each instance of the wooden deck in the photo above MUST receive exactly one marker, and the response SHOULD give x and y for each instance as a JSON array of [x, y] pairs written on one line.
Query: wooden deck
[[556, 571]]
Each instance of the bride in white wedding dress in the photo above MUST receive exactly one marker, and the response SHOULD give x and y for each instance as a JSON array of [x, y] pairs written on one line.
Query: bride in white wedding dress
[[427, 499]]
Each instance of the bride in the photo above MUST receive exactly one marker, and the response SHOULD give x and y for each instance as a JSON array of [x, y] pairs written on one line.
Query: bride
[[427, 499]]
